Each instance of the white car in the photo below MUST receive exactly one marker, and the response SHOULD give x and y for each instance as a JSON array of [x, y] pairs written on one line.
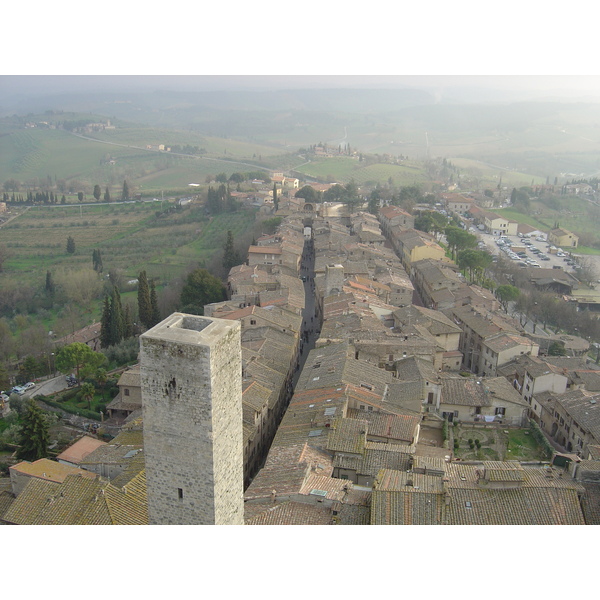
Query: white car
[[29, 386]]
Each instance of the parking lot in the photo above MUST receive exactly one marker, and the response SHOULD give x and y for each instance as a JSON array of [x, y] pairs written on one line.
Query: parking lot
[[527, 252]]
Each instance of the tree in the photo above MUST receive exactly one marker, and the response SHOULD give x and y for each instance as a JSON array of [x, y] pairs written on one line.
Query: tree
[[557, 348], [5, 253], [70, 245], [506, 294], [125, 194], [87, 393], [34, 436], [49, 287], [78, 357], [476, 261], [107, 195], [30, 368], [275, 197], [154, 304], [97, 192], [105, 339], [79, 286], [4, 378], [308, 193], [143, 298], [117, 320], [127, 323], [80, 196], [459, 239], [201, 288], [586, 270], [97, 261], [231, 257]]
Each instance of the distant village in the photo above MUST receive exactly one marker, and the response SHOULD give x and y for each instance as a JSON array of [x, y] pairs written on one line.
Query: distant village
[[364, 350]]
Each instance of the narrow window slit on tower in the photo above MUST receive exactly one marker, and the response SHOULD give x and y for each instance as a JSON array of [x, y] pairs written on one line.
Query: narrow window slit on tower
[[180, 493]]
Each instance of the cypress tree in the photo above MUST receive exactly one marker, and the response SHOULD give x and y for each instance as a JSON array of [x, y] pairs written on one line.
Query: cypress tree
[[50, 287], [105, 339], [127, 323], [97, 260], [154, 304], [125, 191], [231, 258], [70, 245], [117, 324], [34, 436], [144, 303]]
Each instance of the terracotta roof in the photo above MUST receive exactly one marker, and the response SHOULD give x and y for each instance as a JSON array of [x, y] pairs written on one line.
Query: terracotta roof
[[80, 449], [49, 470], [293, 513], [347, 435], [79, 501]]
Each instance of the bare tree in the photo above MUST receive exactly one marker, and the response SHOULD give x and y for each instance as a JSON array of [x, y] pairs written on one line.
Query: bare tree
[[586, 270]]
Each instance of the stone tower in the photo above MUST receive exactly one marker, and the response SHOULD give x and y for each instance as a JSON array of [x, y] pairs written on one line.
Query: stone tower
[[192, 409], [334, 279]]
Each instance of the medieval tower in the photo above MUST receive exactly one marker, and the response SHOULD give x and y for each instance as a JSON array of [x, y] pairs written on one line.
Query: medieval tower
[[334, 279], [192, 411]]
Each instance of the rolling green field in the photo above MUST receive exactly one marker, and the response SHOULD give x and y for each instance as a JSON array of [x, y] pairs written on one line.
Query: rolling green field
[[35, 156], [342, 169], [573, 213]]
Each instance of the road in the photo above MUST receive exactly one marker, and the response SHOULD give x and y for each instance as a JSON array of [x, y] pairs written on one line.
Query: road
[[50, 386]]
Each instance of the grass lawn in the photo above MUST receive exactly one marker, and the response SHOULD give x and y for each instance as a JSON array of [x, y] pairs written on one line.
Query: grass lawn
[[517, 444], [522, 446]]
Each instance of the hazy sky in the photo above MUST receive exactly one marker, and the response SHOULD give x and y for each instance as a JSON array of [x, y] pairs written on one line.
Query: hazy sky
[[461, 87], [464, 37]]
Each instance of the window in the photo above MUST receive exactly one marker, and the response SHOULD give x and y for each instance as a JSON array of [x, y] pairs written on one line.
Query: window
[[500, 410], [180, 493], [252, 321], [126, 391]]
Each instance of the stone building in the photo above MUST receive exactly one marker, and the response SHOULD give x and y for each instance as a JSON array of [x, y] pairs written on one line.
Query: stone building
[[192, 410]]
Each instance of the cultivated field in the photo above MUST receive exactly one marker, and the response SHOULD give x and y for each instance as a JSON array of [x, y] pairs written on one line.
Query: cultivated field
[[130, 237]]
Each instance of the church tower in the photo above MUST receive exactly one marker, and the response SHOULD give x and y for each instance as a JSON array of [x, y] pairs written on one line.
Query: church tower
[[192, 410]]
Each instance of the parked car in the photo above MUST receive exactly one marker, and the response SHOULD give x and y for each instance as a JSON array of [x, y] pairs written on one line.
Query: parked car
[[17, 390], [28, 386]]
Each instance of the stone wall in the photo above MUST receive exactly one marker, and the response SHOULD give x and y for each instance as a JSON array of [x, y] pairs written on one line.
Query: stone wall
[[192, 412]]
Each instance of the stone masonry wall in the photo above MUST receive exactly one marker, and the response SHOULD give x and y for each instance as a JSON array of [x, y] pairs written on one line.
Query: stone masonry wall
[[192, 411]]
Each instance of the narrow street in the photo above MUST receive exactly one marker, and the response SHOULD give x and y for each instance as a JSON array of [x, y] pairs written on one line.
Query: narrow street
[[310, 327]]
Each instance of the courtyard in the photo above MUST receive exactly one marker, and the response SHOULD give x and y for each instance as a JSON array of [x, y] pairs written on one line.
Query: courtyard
[[495, 443]]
